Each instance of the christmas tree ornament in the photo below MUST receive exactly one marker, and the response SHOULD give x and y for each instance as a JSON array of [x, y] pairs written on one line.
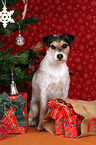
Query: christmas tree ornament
[[19, 40], [13, 90], [5, 16]]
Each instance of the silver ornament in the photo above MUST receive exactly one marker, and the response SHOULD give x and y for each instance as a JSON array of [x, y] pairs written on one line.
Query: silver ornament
[[19, 40], [13, 88]]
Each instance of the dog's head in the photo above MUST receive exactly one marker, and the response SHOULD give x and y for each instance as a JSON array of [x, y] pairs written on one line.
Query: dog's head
[[59, 46]]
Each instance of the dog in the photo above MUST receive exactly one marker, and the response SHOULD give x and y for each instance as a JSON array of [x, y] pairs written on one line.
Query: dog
[[52, 79]]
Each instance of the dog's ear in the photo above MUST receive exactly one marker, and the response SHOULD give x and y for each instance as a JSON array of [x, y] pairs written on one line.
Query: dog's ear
[[70, 38], [46, 40]]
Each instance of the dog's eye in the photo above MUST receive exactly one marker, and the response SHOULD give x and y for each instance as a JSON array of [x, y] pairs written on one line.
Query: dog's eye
[[53, 47], [64, 46]]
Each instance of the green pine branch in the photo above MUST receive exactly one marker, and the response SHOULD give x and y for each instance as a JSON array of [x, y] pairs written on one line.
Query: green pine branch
[[1, 44], [17, 63], [8, 3], [12, 27]]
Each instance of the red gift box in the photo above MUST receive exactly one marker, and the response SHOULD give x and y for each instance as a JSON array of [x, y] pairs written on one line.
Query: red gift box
[[13, 121], [67, 121]]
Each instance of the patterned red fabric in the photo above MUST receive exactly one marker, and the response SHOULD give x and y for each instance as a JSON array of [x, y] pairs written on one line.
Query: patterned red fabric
[[3, 128], [67, 121], [75, 17], [69, 130], [9, 123]]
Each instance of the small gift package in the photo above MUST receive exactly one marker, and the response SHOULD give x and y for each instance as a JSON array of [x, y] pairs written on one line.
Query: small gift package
[[71, 118], [13, 114]]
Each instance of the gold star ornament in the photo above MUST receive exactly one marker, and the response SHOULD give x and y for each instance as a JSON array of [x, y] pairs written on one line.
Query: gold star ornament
[[5, 16]]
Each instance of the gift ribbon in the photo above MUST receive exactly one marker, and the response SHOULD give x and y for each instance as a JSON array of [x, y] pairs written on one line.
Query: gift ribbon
[[53, 103], [56, 107], [91, 124], [64, 108], [18, 105]]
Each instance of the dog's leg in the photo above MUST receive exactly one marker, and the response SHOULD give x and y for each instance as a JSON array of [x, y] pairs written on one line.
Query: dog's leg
[[43, 107], [33, 113]]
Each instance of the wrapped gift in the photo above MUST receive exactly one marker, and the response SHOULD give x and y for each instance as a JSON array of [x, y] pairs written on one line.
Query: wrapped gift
[[84, 124], [13, 110], [67, 121]]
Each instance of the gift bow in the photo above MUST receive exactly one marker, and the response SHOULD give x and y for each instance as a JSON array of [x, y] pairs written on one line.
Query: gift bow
[[56, 108], [18, 105], [64, 108], [91, 124]]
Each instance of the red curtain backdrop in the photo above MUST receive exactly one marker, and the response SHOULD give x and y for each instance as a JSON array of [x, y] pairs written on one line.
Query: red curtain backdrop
[[76, 17]]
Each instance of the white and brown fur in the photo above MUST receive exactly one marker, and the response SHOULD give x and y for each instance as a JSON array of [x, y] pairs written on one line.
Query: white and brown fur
[[52, 79]]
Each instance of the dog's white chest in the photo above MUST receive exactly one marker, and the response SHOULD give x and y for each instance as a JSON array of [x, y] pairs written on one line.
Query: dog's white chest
[[55, 80], [58, 85]]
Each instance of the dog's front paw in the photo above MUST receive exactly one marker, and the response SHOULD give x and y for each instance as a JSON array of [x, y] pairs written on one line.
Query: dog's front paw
[[40, 127], [31, 122]]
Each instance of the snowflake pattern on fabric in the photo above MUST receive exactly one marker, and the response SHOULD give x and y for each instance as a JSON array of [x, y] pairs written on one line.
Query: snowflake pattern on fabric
[[5, 16]]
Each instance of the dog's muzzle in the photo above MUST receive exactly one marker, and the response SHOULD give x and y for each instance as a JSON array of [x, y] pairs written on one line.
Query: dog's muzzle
[[60, 56]]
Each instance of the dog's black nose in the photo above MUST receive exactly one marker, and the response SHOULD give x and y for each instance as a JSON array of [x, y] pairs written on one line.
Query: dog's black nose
[[59, 56]]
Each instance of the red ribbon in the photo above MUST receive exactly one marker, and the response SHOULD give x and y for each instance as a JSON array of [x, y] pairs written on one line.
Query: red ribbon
[[53, 103], [56, 108], [59, 109], [91, 124]]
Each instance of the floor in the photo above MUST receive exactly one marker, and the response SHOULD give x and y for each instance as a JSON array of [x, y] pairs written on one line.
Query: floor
[[32, 137]]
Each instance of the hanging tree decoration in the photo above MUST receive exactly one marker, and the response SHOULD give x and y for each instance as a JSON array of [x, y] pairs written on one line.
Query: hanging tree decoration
[[5, 16], [13, 90], [20, 40]]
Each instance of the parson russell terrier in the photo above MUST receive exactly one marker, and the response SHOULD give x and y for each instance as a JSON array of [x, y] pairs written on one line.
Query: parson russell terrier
[[52, 79]]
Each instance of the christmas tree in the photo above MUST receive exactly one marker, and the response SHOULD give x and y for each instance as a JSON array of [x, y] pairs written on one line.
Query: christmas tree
[[19, 62], [12, 27]]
